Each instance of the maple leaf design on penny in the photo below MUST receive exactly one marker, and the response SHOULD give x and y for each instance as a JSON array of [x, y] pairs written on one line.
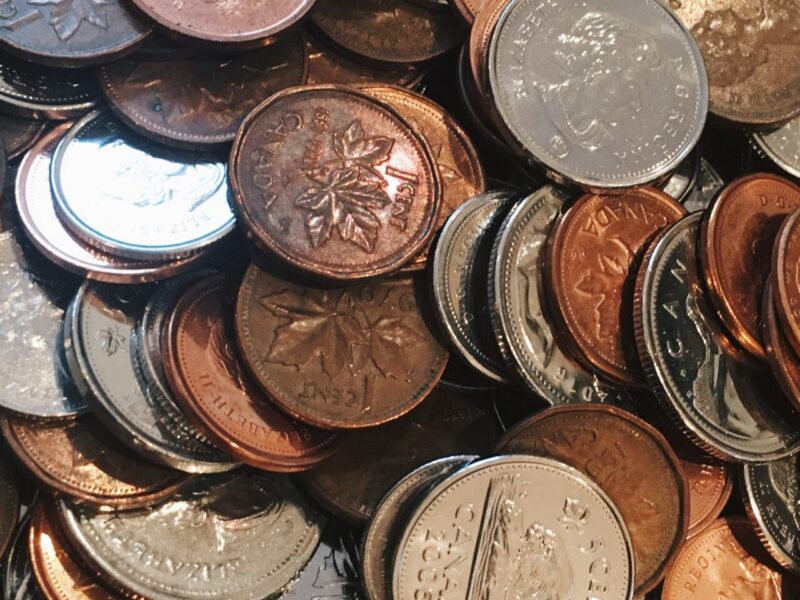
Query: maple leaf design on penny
[[68, 15], [344, 196]]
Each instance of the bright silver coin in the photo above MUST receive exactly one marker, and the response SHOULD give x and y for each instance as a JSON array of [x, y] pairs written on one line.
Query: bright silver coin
[[384, 528], [33, 296], [781, 145], [131, 197], [708, 184], [460, 266], [521, 327], [515, 527], [103, 324], [728, 407], [239, 536], [604, 93]]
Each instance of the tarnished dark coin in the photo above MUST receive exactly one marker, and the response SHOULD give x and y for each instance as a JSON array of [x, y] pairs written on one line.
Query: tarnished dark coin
[[589, 268], [446, 424], [749, 210], [19, 582], [707, 186], [33, 90], [248, 534], [227, 22], [780, 354], [335, 182], [58, 571], [752, 55], [146, 201], [201, 100], [341, 358], [66, 33], [34, 297], [19, 134], [209, 381], [9, 503], [409, 34], [82, 460], [731, 408], [387, 522], [771, 493], [37, 212], [459, 280]]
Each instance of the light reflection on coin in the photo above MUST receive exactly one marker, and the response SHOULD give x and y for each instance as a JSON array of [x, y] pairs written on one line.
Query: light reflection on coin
[[782, 146], [708, 183]]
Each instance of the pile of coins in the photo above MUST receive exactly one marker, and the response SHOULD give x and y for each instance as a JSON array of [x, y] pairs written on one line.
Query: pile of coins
[[400, 299]]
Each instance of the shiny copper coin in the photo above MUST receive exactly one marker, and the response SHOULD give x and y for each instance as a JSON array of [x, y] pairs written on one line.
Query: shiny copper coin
[[395, 31], [58, 572], [229, 22], [338, 358], [479, 39], [590, 267], [736, 239], [780, 354], [355, 479], [334, 182], [726, 561], [468, 9], [19, 134], [208, 378], [456, 158], [80, 459], [786, 279], [201, 100], [631, 461]]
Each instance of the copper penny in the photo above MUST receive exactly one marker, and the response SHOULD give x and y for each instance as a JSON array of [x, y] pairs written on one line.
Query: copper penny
[[82, 460], [352, 482], [726, 561], [468, 9], [334, 182], [395, 31], [57, 571], [207, 376], [457, 160], [229, 22], [780, 354], [786, 279], [590, 268], [631, 461], [751, 50], [180, 102], [736, 237], [339, 358], [19, 134], [479, 40]]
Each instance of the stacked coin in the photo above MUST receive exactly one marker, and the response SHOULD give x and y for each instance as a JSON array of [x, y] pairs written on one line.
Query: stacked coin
[[411, 299]]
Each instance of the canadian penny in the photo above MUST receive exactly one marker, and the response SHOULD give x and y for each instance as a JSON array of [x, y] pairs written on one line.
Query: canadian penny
[[468, 9], [19, 134], [726, 560], [477, 48], [590, 266], [448, 424], [59, 573], [751, 55], [786, 274], [632, 463], [338, 358], [83, 461], [454, 154], [68, 34], [395, 31], [210, 383], [334, 182], [228, 22], [176, 101], [749, 210], [780, 354]]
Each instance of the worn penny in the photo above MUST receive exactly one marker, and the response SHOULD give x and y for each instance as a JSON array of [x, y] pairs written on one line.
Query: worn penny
[[468, 9], [346, 357], [737, 235], [634, 465], [590, 265], [780, 354], [786, 273]]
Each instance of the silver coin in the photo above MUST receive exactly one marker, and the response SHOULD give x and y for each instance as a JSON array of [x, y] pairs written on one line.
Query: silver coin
[[728, 407], [238, 536], [19, 582], [515, 527], [33, 380], [380, 537], [125, 195], [618, 87], [459, 275], [708, 185], [683, 180], [772, 498], [781, 145], [33, 90], [103, 324], [525, 336]]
